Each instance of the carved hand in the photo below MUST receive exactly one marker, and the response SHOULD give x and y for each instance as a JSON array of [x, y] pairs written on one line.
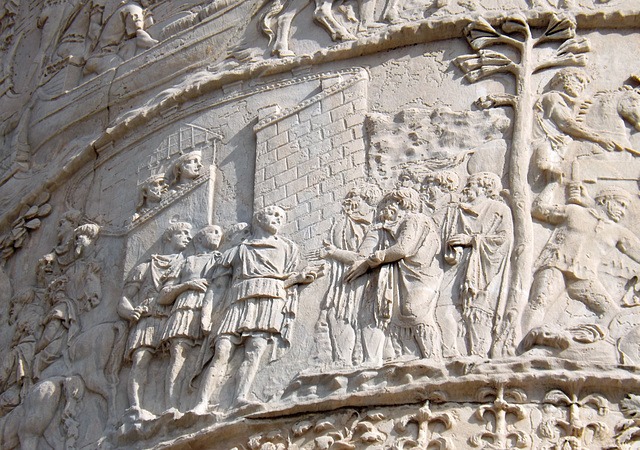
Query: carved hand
[[610, 145], [199, 285], [136, 313], [358, 269], [311, 273], [322, 253], [578, 194], [460, 239]]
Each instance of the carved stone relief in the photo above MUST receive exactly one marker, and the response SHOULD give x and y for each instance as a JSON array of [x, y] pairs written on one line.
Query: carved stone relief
[[273, 224]]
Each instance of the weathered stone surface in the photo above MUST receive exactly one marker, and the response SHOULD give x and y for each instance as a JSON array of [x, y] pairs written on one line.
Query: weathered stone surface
[[279, 224]]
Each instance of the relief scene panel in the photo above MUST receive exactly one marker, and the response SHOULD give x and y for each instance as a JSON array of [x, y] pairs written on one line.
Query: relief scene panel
[[300, 225]]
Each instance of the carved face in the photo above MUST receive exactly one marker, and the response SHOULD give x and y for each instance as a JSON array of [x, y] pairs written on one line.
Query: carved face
[[155, 189], [472, 190], [65, 228], [211, 238], [272, 220], [46, 264], [392, 211], [615, 208], [134, 20], [180, 239], [431, 190], [356, 207], [406, 180], [191, 168], [573, 86]]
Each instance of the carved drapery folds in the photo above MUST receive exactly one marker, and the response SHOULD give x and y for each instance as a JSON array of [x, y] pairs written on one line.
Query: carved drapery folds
[[417, 225]]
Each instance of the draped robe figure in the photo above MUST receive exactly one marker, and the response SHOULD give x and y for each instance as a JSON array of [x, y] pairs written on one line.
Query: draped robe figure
[[480, 238]]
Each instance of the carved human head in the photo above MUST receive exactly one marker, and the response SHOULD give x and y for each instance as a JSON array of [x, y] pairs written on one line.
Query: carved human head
[[629, 108], [270, 219], [570, 80], [397, 202], [435, 184], [480, 184], [57, 290], [446, 180], [133, 17], [152, 190], [360, 201], [84, 236], [67, 223], [178, 235], [614, 201], [45, 269], [408, 179], [208, 238], [187, 168], [237, 233]]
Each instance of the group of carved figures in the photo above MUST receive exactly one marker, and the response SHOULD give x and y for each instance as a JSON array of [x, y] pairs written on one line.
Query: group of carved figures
[[213, 302], [97, 35], [52, 358], [93, 35], [389, 258], [388, 261], [154, 189], [392, 261]]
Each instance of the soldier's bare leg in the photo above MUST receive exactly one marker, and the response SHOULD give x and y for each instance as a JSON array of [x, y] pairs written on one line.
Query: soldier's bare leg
[[254, 348], [213, 376], [138, 378]]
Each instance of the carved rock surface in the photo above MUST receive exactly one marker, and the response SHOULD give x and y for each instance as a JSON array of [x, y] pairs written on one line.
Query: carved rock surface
[[278, 224]]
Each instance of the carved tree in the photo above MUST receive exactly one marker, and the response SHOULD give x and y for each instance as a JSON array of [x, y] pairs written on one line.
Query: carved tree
[[517, 36]]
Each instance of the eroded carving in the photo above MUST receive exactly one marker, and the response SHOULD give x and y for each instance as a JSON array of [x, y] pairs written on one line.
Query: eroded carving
[[342, 304], [400, 297], [151, 193], [182, 330], [122, 34], [587, 230]]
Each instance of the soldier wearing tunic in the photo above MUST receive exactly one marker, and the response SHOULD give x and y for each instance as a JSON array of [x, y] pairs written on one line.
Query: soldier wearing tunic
[[182, 330], [260, 307], [570, 259], [139, 305]]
